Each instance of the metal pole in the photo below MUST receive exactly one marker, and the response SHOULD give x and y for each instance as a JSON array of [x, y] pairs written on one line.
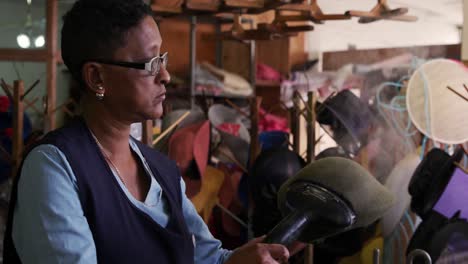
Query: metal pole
[[253, 66], [193, 57]]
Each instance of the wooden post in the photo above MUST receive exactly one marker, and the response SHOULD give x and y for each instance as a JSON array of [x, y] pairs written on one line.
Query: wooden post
[[311, 127], [254, 105], [18, 113], [295, 123], [311, 118], [147, 132], [309, 254], [51, 47]]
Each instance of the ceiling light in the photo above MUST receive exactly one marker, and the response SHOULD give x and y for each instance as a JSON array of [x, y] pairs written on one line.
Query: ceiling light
[[23, 41], [39, 41]]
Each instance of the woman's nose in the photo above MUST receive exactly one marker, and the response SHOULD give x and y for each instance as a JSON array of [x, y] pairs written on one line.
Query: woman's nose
[[163, 76]]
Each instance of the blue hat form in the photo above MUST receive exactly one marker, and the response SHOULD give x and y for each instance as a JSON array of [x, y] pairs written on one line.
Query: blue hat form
[[273, 139]]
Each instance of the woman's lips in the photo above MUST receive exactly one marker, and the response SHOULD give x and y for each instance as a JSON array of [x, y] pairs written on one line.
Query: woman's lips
[[161, 97]]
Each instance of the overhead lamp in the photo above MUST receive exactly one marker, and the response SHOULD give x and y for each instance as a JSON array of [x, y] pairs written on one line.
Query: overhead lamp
[[23, 41], [25, 38], [39, 41]]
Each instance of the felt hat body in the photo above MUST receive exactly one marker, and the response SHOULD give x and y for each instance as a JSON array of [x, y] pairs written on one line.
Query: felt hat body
[[189, 147], [347, 119]]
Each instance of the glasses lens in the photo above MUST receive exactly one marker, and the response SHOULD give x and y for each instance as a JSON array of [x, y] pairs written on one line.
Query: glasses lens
[[157, 62], [164, 59], [155, 67]]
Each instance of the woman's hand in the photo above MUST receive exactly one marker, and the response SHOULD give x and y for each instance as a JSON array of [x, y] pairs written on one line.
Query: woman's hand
[[256, 252]]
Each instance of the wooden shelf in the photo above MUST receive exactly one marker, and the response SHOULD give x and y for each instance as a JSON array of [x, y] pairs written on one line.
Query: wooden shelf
[[229, 6], [264, 83], [223, 96]]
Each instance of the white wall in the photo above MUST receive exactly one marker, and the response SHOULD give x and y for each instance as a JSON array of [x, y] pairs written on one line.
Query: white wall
[[465, 31], [436, 25]]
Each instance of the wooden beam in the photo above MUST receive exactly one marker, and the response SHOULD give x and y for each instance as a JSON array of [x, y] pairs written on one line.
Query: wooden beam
[[32, 55], [9, 54], [51, 47]]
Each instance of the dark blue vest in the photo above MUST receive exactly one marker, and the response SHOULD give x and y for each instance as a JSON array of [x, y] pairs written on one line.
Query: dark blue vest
[[122, 233]]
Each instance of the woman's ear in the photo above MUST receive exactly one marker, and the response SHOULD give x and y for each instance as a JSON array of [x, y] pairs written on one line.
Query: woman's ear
[[92, 76]]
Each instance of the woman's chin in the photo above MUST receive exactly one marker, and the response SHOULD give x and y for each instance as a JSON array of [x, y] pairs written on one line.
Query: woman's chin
[[157, 112]]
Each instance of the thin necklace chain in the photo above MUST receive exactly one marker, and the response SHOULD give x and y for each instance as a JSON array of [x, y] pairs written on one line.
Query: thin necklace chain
[[103, 150]]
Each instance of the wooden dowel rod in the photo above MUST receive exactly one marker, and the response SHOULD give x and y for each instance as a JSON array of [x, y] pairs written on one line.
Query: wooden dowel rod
[[171, 127], [233, 105], [30, 89], [29, 104], [232, 159]]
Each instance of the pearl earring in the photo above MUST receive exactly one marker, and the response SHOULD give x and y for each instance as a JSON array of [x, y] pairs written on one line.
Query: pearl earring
[[100, 96]]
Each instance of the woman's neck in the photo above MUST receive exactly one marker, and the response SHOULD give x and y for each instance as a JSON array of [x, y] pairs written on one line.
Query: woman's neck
[[112, 134]]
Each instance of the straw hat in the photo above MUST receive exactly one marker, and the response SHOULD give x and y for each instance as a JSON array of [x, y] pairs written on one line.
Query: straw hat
[[438, 112], [233, 83]]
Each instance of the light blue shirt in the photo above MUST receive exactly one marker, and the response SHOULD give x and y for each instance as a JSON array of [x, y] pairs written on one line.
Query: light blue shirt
[[49, 225]]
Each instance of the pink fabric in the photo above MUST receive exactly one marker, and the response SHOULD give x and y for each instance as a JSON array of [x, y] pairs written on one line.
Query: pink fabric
[[231, 128], [270, 122], [267, 73]]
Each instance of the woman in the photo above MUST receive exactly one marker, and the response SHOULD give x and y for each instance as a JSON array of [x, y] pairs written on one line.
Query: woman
[[89, 193]]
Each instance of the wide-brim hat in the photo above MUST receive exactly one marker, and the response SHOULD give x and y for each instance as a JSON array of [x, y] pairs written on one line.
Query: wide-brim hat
[[196, 115], [435, 102], [233, 83], [239, 145], [397, 183], [332, 152], [189, 147], [347, 119]]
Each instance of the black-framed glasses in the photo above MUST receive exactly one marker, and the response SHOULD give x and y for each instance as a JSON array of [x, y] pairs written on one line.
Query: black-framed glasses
[[152, 67]]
